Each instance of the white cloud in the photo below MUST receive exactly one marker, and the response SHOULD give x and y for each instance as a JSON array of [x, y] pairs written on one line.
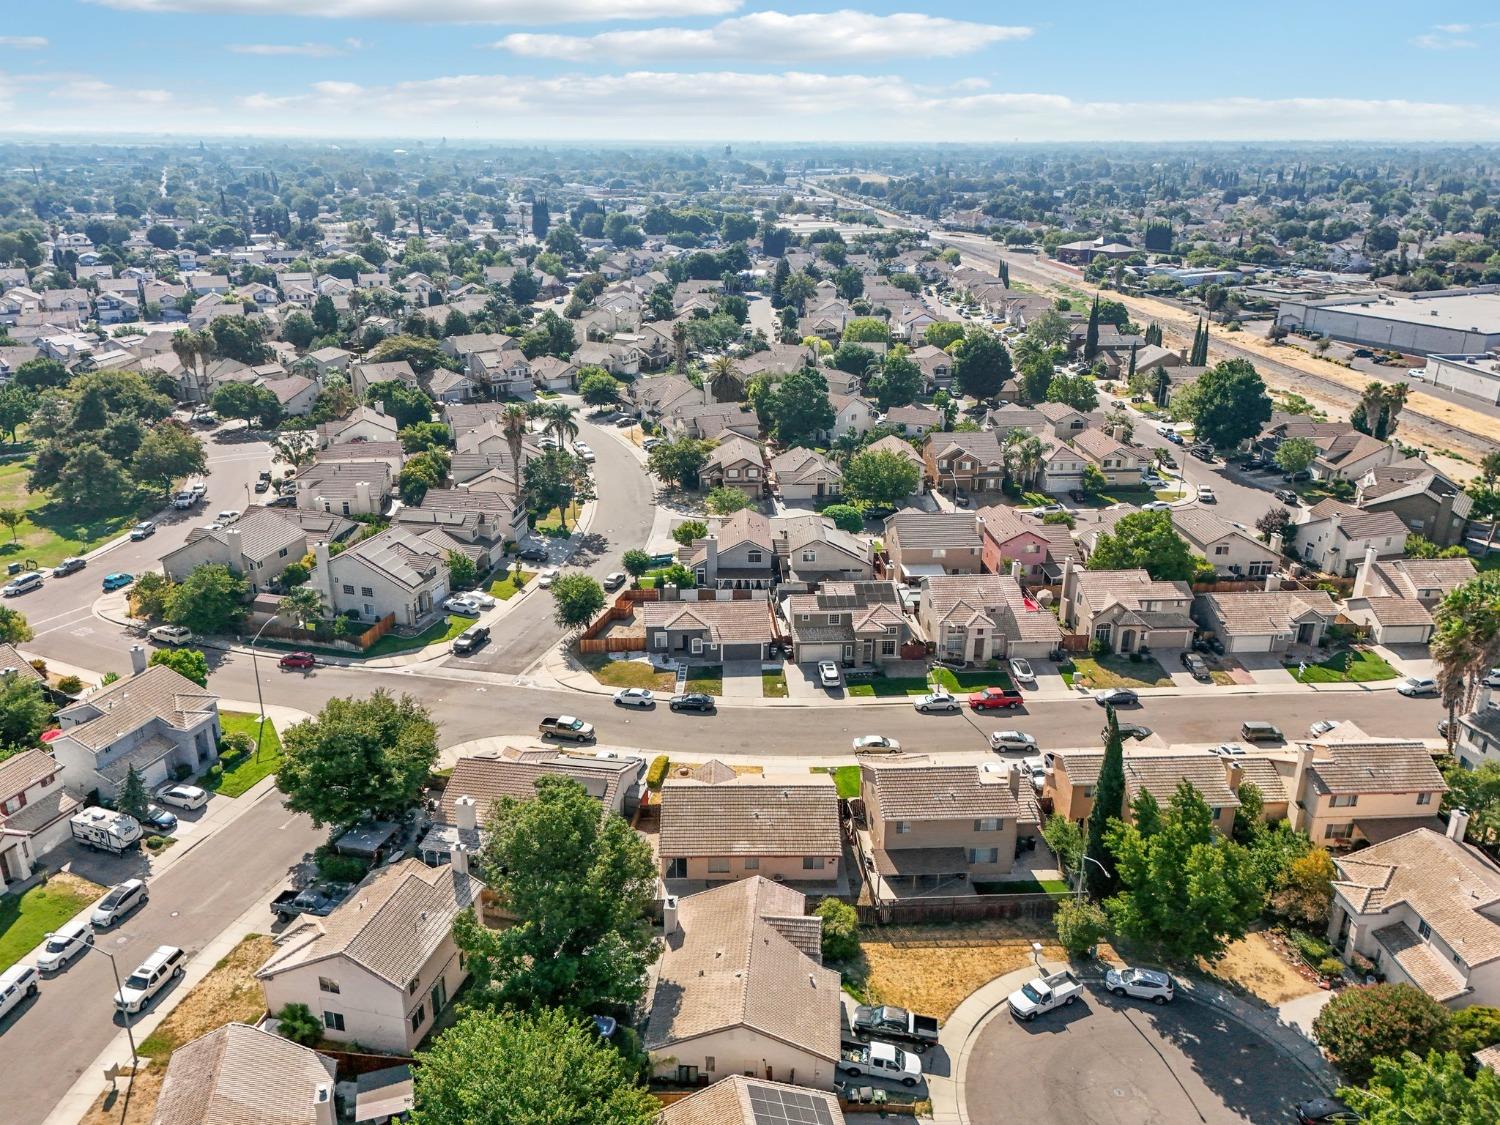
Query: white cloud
[[24, 42], [306, 50], [824, 36], [95, 92], [1433, 41], [444, 11]]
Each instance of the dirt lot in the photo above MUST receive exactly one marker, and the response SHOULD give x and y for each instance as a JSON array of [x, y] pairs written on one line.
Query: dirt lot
[[227, 994], [1253, 964], [930, 969]]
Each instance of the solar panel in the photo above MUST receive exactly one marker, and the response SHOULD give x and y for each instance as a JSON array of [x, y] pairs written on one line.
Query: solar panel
[[773, 1105]]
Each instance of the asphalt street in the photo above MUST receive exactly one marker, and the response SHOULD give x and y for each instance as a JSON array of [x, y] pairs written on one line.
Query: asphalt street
[[45, 1045]]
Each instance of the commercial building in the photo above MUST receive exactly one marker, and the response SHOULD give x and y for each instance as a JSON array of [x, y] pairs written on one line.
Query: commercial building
[[1474, 375], [1448, 322]]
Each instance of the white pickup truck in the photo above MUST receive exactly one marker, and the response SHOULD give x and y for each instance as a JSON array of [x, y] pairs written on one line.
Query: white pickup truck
[[1043, 994], [882, 1059]]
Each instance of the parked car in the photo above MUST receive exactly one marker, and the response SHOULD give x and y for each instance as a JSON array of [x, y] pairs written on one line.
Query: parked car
[[883, 1059], [143, 530], [1230, 750], [461, 605], [693, 701], [1256, 730], [1206, 495], [614, 580], [165, 965], [117, 581], [70, 565], [889, 1022], [1155, 506], [480, 598], [566, 726], [635, 697], [1322, 727], [228, 515], [63, 944], [120, 900], [1287, 496], [298, 660], [1143, 984], [936, 701], [1417, 686], [318, 901], [533, 552], [159, 820], [182, 796], [1117, 697], [1324, 1111], [828, 674], [171, 634], [547, 577], [994, 698], [262, 486], [876, 744], [23, 584], [1044, 994], [1493, 679], [1196, 665], [1301, 477], [17, 984], [1128, 731], [1036, 769], [1012, 740], [1020, 671], [471, 639]]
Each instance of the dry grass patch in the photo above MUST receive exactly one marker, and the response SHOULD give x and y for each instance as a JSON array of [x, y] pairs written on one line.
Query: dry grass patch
[[1255, 965], [228, 994], [930, 969]]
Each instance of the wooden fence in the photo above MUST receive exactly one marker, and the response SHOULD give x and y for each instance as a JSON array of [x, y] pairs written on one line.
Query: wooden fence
[[323, 634], [966, 908]]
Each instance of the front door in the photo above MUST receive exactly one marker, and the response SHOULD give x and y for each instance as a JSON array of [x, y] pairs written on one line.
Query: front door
[[1127, 640], [439, 996]]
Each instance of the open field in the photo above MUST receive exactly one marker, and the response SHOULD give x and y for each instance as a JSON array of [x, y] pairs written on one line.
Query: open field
[[930, 969], [45, 536]]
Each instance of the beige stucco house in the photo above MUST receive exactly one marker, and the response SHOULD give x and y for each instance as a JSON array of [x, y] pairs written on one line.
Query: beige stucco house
[[1075, 774], [395, 572], [1126, 609]]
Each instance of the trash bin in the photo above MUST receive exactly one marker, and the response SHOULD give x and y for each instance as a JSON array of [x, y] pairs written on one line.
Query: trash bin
[[13, 568]]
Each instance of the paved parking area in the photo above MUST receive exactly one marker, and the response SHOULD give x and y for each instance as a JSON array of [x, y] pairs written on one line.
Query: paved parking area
[[802, 683], [1128, 1063]]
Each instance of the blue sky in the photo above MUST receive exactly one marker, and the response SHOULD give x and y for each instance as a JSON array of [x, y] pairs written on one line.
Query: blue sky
[[751, 70]]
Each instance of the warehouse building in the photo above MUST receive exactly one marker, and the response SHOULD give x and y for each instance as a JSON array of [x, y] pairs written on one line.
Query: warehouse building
[[1449, 322], [1474, 375]]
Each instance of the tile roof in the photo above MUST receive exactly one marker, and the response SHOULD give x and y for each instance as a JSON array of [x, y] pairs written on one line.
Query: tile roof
[[1263, 774], [1406, 578], [1356, 524], [751, 815], [393, 922], [11, 658], [489, 777], [736, 448], [917, 530], [21, 771], [1419, 960], [923, 791], [1200, 527], [1374, 766], [128, 705], [798, 465], [1158, 773], [1258, 612], [996, 596], [260, 532], [241, 1075], [745, 526], [745, 955], [1395, 611], [1128, 587], [406, 558], [734, 622], [736, 1099]]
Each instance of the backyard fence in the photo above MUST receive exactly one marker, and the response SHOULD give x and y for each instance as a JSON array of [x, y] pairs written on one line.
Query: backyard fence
[[322, 634], [963, 908]]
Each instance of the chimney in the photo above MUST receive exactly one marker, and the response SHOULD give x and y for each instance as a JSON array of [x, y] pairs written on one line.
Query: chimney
[[1015, 569], [137, 660], [1277, 543], [465, 814], [362, 493], [1296, 812], [322, 577], [1363, 574], [1273, 583], [1015, 779], [460, 860], [236, 553], [323, 1104], [669, 915], [1458, 823]]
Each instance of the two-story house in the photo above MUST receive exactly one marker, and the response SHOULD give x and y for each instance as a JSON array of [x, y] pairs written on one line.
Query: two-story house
[[1233, 551], [921, 543], [1126, 609], [395, 573], [1074, 777], [258, 547], [1427, 502], [859, 624], [1347, 786], [34, 811], [1008, 538], [740, 554], [805, 474], [736, 462], [1334, 537], [810, 549], [967, 462], [1394, 599], [981, 617]]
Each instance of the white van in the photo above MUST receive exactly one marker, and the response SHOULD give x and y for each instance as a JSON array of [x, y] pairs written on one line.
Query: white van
[[31, 580], [16, 984], [155, 973], [64, 944]]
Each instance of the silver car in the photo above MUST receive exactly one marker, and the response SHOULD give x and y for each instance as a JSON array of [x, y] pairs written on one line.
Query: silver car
[[1143, 984], [1012, 740]]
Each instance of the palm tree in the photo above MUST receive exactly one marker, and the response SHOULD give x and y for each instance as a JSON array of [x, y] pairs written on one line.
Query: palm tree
[[1029, 456], [724, 379], [1371, 406], [515, 427], [302, 605], [1466, 642], [1395, 402], [193, 351], [679, 347], [559, 421]]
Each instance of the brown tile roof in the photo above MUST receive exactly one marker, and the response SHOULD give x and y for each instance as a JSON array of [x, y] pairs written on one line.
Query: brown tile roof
[[734, 1101], [912, 529], [1419, 960], [1128, 587], [1356, 524], [1263, 774], [128, 705], [751, 816], [736, 622], [923, 791], [1158, 774], [241, 1075], [1259, 612], [24, 770], [1376, 766], [798, 464], [1396, 611], [1406, 577], [10, 658], [488, 777], [740, 959]]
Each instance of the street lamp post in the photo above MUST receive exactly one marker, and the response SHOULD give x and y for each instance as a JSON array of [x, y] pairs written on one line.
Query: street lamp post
[[135, 1059], [1082, 857]]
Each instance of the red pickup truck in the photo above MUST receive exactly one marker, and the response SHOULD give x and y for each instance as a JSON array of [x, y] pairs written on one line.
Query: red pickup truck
[[994, 698]]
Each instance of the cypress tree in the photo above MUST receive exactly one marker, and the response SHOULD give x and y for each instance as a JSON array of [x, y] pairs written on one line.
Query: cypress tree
[[1129, 375], [1005, 273], [1109, 804], [1091, 340]]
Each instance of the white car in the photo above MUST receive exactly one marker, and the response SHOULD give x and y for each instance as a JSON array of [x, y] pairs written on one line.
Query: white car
[[1206, 495], [1322, 726], [1012, 740], [1036, 769], [228, 515], [937, 701], [828, 674], [1417, 685], [1020, 671], [461, 603], [876, 744], [1155, 506], [635, 697], [183, 796], [1230, 750], [156, 972], [1143, 984], [64, 944], [547, 577], [171, 634], [480, 598]]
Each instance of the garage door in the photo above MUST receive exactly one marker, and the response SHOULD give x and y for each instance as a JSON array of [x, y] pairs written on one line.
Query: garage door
[[1250, 644], [809, 654]]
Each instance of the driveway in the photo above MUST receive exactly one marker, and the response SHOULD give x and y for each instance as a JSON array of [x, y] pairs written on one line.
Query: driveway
[[1128, 1063], [742, 679], [802, 683]]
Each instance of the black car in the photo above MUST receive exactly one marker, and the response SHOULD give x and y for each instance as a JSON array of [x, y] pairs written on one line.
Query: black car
[[1168, 460], [693, 701], [534, 553], [1324, 1111], [1128, 731], [1296, 478], [1117, 697], [1287, 496], [159, 820]]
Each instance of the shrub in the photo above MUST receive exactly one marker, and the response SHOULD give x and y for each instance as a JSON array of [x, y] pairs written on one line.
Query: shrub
[[339, 868], [1360, 1025], [846, 517], [656, 773], [182, 772], [215, 772], [297, 1023], [1080, 926], [1311, 949], [156, 843], [1331, 967], [70, 685], [840, 930], [109, 678], [1098, 647]]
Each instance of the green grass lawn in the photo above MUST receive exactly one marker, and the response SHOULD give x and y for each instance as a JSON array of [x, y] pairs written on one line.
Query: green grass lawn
[[243, 771], [773, 685], [47, 535], [1352, 666], [709, 679], [1112, 671], [507, 587], [1026, 886], [885, 687], [846, 778], [30, 916], [1490, 561], [436, 633], [552, 523], [626, 673]]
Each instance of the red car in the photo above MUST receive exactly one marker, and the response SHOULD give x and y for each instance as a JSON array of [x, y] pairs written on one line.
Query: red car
[[995, 698], [297, 660]]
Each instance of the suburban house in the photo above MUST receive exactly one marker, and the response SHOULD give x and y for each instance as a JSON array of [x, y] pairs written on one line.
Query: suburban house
[[1394, 599], [853, 414], [1479, 732], [155, 720], [939, 829], [745, 1100], [480, 780], [1232, 550], [1334, 537], [1120, 464], [1007, 538], [394, 573], [366, 423], [736, 462], [1427, 502], [718, 826], [892, 444], [1347, 786], [914, 420], [1126, 609], [810, 549], [803, 474], [1351, 455], [936, 365], [34, 810], [981, 617], [739, 554], [922, 543], [709, 631], [243, 1073], [740, 988], [1425, 908], [383, 965], [1266, 620], [1075, 774], [967, 462], [475, 522], [350, 488], [854, 623], [258, 547]]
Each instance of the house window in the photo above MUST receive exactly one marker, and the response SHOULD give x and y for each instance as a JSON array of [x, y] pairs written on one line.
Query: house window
[[903, 827], [419, 1017], [732, 473], [753, 556], [348, 589], [661, 640], [1088, 792], [1424, 798], [812, 863], [1424, 931], [369, 610], [366, 592], [809, 556], [13, 804], [677, 868], [984, 855], [281, 554], [940, 553], [697, 646], [1221, 549], [887, 648], [987, 824], [718, 865], [1338, 831], [752, 863], [687, 1075], [752, 473], [1344, 801], [326, 985], [334, 1021]]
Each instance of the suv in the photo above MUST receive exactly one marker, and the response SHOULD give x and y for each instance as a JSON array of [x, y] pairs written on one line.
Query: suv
[[1144, 984], [614, 581], [471, 639], [828, 674], [155, 973], [120, 901], [1196, 665], [171, 634], [16, 984], [1287, 496], [64, 944], [1256, 731]]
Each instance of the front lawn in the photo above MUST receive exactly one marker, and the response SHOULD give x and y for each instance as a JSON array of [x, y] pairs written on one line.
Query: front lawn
[[773, 685], [48, 534], [626, 673], [1352, 666], [552, 522], [846, 778], [709, 679], [434, 634], [26, 918], [241, 771], [1027, 886], [956, 682], [507, 587], [1113, 671]]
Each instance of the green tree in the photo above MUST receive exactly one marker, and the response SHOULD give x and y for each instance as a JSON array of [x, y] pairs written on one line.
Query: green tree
[[899, 382], [422, 353], [678, 462], [1109, 801], [1077, 391], [1473, 1029], [247, 401], [358, 759], [1304, 889], [132, 799], [1435, 1089], [800, 409], [151, 595], [425, 436], [90, 480], [598, 387], [867, 329], [982, 365], [1360, 1025], [1185, 888], [845, 517], [579, 885], [17, 405], [577, 600], [636, 563], [419, 475], [527, 1068], [41, 374], [943, 334], [840, 930], [406, 405], [25, 711], [189, 663], [1148, 541], [556, 480], [299, 330], [1477, 792], [725, 501], [1066, 839], [168, 453], [297, 1023], [881, 477], [1230, 404], [852, 360], [210, 600], [14, 629], [1093, 481], [463, 572], [1081, 925], [1466, 641], [688, 531], [1295, 454]]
